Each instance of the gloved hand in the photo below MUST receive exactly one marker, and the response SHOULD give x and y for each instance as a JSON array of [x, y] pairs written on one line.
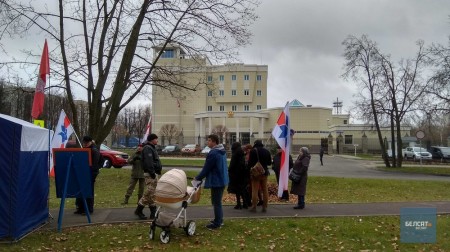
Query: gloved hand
[[152, 175]]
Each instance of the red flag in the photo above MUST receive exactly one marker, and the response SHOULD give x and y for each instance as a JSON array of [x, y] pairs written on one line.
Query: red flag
[[38, 101], [148, 130]]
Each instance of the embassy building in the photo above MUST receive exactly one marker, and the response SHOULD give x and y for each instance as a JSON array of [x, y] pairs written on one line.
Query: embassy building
[[231, 101]]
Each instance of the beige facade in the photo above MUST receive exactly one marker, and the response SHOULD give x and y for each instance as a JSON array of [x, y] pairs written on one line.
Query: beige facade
[[233, 97]]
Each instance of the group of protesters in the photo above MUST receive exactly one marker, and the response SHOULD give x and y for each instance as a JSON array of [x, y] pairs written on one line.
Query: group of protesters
[[250, 191]]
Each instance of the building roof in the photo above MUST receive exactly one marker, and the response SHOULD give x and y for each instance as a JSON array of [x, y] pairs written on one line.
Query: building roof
[[296, 103]]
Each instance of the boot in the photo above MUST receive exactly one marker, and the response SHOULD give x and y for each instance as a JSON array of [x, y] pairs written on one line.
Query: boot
[[238, 202], [139, 198], [300, 202], [125, 200], [139, 212], [152, 212]]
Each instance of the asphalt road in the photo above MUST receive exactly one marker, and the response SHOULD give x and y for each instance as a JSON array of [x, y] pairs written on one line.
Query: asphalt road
[[344, 166]]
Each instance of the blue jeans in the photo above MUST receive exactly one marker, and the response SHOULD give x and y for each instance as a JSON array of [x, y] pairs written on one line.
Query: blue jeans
[[216, 201]]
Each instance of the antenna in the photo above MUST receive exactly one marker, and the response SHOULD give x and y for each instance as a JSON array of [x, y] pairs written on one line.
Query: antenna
[[337, 104]]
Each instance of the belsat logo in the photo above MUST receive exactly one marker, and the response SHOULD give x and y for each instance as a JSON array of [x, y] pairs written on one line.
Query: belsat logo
[[419, 224]]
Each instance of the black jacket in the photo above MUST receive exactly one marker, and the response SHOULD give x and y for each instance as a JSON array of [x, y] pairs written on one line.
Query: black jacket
[[264, 158], [150, 160]]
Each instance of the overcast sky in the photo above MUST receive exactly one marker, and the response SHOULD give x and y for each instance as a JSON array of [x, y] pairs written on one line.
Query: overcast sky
[[301, 42]]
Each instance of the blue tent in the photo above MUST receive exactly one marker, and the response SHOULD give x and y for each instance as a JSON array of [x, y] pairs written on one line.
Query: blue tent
[[24, 183]]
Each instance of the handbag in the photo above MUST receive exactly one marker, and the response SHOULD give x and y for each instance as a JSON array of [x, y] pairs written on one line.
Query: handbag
[[257, 170], [294, 176]]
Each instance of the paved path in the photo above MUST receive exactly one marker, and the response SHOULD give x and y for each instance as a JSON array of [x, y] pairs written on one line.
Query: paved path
[[335, 166]]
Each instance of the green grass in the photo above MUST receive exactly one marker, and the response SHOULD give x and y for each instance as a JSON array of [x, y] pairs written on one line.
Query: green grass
[[431, 170], [111, 185], [378, 233], [289, 234]]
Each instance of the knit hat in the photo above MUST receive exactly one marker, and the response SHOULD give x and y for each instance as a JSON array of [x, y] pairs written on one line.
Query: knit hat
[[87, 139]]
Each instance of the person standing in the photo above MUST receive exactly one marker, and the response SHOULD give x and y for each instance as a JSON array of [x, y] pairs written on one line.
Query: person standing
[[238, 176], [301, 167], [215, 171], [276, 165], [321, 154], [261, 154], [152, 168], [88, 142], [137, 175]]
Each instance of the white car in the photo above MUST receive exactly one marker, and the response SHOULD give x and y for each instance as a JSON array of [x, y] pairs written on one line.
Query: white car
[[417, 153]]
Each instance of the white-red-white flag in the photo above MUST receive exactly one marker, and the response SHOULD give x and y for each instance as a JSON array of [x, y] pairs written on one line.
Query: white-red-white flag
[[62, 133], [44, 69], [282, 134], [148, 130]]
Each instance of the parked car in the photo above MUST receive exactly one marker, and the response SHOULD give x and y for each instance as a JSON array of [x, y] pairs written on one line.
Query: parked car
[[417, 153], [191, 149], [206, 150], [171, 149], [117, 159], [440, 153], [159, 148]]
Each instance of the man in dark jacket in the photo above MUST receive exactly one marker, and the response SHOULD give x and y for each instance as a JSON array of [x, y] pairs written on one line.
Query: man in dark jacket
[[88, 142], [215, 170], [152, 168], [261, 154]]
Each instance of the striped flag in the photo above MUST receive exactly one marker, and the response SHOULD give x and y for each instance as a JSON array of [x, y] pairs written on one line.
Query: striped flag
[[282, 134], [61, 136], [44, 69], [148, 130]]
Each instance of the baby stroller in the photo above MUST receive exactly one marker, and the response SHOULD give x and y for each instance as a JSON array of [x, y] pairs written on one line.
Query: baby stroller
[[172, 192]]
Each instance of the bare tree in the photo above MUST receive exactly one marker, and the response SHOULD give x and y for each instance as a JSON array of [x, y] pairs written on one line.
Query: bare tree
[[388, 91], [169, 131], [440, 80], [222, 132], [104, 46]]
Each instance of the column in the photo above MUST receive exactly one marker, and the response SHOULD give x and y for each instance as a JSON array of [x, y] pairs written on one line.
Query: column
[[237, 130], [261, 128], [209, 125], [251, 125]]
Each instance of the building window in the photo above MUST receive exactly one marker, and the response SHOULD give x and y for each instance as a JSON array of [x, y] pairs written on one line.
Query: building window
[[258, 92], [246, 107], [233, 77], [233, 92], [348, 139], [246, 92], [168, 54], [258, 107], [345, 121], [246, 77], [234, 108], [210, 92], [258, 77], [221, 108], [209, 108], [209, 79], [221, 78], [221, 93]]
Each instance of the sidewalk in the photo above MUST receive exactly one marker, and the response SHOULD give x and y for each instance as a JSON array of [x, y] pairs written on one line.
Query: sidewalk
[[122, 215]]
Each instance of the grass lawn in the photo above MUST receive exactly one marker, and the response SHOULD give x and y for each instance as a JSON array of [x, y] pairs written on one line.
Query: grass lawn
[[289, 234], [111, 185], [432, 170], [377, 233]]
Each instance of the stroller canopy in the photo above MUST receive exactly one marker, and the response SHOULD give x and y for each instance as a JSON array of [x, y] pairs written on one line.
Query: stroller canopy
[[172, 184]]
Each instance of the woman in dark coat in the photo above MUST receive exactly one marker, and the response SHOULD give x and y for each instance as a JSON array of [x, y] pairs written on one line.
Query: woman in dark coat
[[301, 167], [238, 176]]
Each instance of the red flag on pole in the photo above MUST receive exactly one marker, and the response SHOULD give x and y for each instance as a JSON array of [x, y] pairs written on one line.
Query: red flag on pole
[[38, 101]]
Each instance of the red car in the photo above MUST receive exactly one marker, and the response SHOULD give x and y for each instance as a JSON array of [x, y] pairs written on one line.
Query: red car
[[113, 158]]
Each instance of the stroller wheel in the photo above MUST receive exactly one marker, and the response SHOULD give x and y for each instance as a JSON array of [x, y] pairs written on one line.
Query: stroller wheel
[[164, 236], [190, 228]]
